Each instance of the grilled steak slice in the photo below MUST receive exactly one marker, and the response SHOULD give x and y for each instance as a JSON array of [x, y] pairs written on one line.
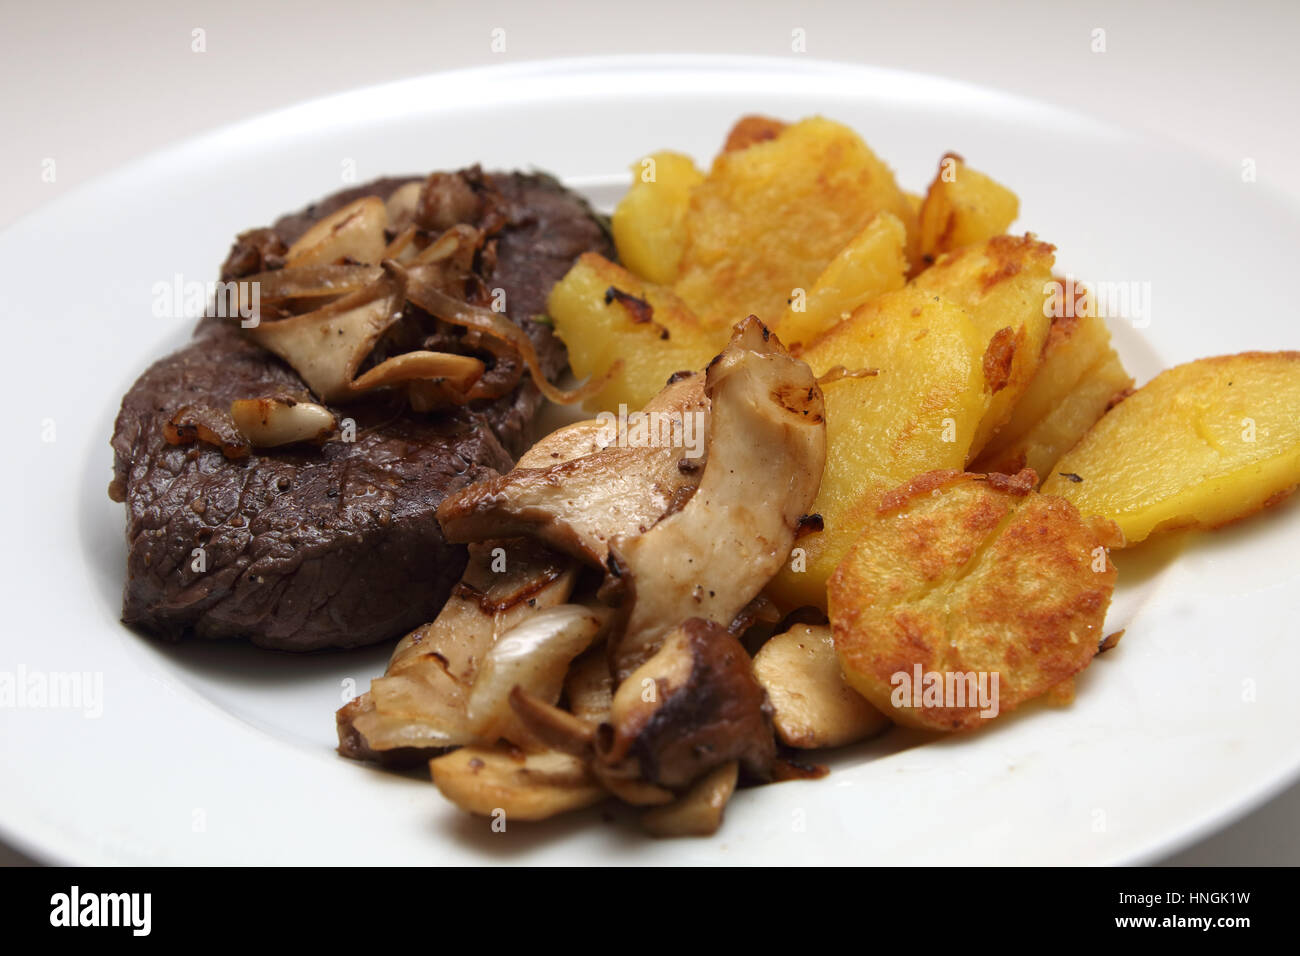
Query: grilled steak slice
[[305, 547]]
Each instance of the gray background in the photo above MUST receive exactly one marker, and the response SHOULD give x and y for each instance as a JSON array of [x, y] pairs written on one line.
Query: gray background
[[93, 85]]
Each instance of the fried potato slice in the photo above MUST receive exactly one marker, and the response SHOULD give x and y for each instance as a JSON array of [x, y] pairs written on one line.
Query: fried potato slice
[[966, 577], [1201, 444], [812, 704], [1005, 285], [918, 413], [963, 207], [605, 314], [1079, 377], [649, 221], [769, 218], [873, 263]]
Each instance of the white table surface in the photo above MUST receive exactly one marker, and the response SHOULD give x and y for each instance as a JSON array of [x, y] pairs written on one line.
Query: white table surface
[[94, 85]]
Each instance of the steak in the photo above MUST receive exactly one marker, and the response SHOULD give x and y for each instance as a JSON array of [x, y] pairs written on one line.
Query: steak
[[338, 545]]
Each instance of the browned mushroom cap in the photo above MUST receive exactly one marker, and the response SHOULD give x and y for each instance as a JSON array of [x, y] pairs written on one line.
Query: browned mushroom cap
[[693, 706], [767, 449], [578, 505]]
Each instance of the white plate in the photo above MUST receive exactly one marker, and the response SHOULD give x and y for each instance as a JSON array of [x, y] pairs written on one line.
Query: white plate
[[225, 754]]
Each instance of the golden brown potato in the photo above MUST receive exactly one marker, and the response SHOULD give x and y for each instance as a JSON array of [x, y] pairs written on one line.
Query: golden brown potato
[[604, 314], [918, 413], [752, 129], [812, 704], [649, 221], [967, 595], [769, 218], [873, 263], [962, 207], [1004, 284], [1079, 377], [1201, 444]]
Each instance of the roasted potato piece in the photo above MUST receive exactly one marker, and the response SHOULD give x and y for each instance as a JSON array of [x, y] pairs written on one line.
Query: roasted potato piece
[[752, 129], [1004, 284], [999, 591], [963, 207], [812, 704], [769, 218], [918, 413], [605, 314], [535, 786], [1079, 377], [874, 262], [649, 221], [1201, 444]]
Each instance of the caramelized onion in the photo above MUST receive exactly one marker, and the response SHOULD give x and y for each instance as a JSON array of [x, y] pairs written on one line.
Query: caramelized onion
[[311, 282], [433, 300], [203, 423]]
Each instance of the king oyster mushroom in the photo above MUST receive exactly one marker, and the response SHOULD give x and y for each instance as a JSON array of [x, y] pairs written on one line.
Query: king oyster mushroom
[[420, 705], [603, 491], [688, 714], [767, 449]]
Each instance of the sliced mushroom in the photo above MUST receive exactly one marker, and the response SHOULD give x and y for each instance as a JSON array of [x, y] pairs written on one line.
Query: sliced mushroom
[[551, 726], [534, 657], [579, 504], [327, 346], [457, 372], [812, 704], [698, 812], [493, 781], [420, 704], [269, 422], [354, 232], [589, 687], [305, 284], [402, 203], [767, 448], [693, 706]]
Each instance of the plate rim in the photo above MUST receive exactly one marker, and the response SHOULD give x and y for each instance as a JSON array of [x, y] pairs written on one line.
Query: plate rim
[[52, 847]]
